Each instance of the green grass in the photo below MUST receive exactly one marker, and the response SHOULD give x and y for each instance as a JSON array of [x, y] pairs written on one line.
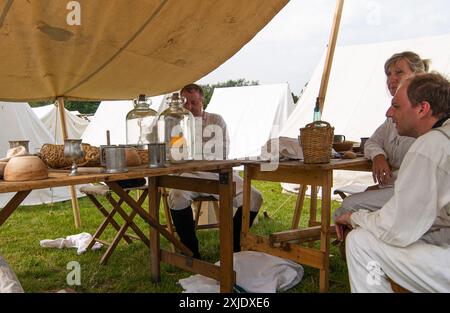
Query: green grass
[[128, 269]]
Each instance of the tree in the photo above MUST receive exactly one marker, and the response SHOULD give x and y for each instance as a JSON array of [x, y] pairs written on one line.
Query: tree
[[209, 89], [84, 107]]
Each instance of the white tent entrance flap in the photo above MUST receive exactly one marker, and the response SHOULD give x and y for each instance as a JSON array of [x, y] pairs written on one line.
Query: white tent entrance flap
[[357, 100], [18, 122], [49, 116], [253, 114]]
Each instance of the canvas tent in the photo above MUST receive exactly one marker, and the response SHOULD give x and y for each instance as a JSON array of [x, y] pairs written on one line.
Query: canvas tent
[[253, 115], [18, 122], [357, 97], [110, 115], [111, 50], [49, 116]]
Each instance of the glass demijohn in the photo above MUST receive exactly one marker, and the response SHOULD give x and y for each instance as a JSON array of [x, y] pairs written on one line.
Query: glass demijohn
[[176, 127], [141, 122]]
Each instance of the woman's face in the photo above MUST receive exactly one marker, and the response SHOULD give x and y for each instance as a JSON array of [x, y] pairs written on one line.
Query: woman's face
[[396, 73]]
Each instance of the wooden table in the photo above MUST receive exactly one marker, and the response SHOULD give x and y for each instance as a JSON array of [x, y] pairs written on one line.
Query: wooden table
[[306, 174], [160, 177]]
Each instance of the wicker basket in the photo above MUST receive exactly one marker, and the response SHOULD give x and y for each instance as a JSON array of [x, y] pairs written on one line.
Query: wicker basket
[[316, 140]]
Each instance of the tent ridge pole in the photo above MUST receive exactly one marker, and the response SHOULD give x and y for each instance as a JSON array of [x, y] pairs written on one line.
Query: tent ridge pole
[[73, 193]]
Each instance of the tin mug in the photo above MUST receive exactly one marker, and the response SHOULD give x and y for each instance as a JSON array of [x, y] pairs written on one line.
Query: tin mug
[[156, 155], [338, 138]]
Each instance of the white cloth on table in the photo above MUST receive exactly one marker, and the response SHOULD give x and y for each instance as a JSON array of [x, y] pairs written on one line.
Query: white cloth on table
[[256, 272], [282, 148], [79, 241]]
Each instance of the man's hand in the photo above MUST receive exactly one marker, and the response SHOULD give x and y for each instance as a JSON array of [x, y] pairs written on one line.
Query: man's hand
[[381, 171], [341, 223]]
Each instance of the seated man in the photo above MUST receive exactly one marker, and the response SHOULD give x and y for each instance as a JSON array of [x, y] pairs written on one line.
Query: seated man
[[408, 239], [180, 201]]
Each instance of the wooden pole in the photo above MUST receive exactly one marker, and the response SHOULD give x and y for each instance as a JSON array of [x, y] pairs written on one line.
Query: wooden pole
[[73, 193], [330, 53]]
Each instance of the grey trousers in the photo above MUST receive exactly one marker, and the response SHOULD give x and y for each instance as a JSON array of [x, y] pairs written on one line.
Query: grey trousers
[[371, 200]]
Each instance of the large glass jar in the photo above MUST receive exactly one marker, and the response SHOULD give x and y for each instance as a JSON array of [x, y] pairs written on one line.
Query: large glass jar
[[176, 127], [141, 123]]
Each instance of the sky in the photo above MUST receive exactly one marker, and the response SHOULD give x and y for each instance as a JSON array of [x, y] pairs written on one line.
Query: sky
[[290, 46]]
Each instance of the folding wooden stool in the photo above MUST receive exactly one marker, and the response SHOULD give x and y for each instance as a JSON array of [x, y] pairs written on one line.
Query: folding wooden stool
[[94, 191]]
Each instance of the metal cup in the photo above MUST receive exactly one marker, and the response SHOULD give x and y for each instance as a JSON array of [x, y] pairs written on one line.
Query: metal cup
[[156, 155], [113, 158], [362, 144], [338, 138], [17, 143]]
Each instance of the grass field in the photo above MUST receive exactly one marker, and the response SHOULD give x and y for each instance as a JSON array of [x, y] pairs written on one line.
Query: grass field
[[45, 270]]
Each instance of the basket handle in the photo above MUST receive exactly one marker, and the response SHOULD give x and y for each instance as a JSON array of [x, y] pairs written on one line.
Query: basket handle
[[318, 124]]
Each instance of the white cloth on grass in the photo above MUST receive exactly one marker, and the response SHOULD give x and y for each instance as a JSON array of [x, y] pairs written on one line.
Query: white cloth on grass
[[255, 272], [79, 241], [8, 279]]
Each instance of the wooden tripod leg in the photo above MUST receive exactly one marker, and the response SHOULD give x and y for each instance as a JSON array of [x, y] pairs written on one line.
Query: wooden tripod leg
[[150, 220], [109, 218], [299, 206]]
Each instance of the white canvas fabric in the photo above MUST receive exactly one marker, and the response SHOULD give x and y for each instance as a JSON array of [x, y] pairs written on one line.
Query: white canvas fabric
[[49, 116], [357, 98], [253, 115], [18, 122], [8, 279], [255, 272], [111, 115]]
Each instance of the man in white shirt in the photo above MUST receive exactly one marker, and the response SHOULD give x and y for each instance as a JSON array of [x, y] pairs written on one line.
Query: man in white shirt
[[408, 239], [212, 148]]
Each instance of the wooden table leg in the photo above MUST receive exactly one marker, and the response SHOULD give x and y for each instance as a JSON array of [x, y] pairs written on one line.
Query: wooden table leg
[[226, 230], [246, 202], [155, 252], [12, 205], [325, 232]]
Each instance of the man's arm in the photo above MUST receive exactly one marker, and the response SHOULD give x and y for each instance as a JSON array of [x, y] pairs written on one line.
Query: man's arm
[[412, 210]]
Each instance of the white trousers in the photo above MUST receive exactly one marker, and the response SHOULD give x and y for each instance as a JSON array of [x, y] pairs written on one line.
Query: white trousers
[[420, 267], [370, 200], [181, 199]]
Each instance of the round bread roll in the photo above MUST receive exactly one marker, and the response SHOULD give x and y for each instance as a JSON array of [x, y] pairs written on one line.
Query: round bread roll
[[132, 157], [349, 155]]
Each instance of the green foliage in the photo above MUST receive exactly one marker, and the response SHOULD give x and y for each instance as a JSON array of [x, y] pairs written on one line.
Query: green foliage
[[209, 89], [45, 270], [84, 107]]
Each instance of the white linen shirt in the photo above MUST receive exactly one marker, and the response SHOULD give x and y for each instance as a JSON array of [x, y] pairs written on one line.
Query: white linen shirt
[[421, 201], [386, 141]]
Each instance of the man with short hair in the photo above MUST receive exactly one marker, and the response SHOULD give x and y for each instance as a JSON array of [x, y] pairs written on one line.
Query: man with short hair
[[214, 145], [408, 240]]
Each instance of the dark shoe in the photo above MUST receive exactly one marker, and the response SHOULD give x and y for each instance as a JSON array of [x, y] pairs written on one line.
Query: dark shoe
[[185, 227], [237, 228]]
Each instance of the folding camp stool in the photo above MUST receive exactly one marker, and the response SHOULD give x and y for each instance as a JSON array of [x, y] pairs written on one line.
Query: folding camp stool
[[93, 191], [196, 208]]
